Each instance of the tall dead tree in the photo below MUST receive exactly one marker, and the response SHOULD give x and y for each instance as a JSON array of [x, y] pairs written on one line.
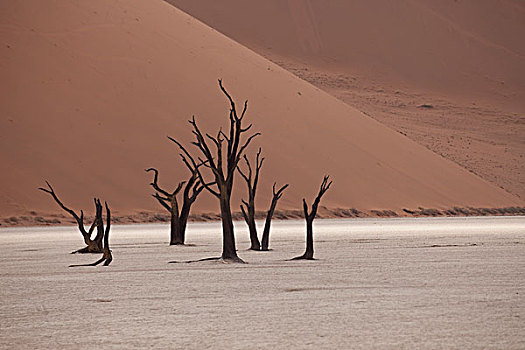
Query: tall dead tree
[[179, 219], [267, 224], [92, 245], [222, 166], [248, 207], [309, 217], [107, 257]]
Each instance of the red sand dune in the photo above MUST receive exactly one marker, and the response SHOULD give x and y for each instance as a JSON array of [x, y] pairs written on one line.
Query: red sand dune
[[466, 59], [92, 88], [467, 48]]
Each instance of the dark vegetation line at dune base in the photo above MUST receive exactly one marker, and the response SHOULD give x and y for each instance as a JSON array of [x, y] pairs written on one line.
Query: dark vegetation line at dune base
[[37, 219]]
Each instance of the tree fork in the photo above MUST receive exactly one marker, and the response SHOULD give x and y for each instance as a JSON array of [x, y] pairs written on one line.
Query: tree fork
[[107, 257], [92, 245], [248, 207], [178, 220], [309, 217]]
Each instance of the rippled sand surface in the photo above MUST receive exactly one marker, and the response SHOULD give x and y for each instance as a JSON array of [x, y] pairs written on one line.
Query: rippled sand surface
[[449, 283]]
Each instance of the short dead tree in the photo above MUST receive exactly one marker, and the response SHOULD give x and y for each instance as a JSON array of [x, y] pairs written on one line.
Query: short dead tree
[[267, 224], [168, 200], [92, 245], [222, 164], [107, 257], [309, 217], [248, 207]]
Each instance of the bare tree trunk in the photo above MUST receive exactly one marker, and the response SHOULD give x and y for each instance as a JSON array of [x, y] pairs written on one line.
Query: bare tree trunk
[[248, 208], [254, 240], [229, 251], [309, 252], [92, 245], [222, 164], [101, 242], [107, 257], [309, 217], [249, 218], [176, 236], [168, 200], [100, 225], [183, 221], [265, 241], [267, 224]]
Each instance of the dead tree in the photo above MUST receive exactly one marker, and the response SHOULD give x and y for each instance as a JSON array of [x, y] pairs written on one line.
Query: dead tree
[[248, 207], [309, 217], [222, 166], [107, 257], [266, 232], [92, 245], [179, 219]]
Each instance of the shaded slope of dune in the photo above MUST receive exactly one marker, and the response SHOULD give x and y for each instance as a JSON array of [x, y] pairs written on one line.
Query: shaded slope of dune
[[471, 48], [91, 89], [465, 59]]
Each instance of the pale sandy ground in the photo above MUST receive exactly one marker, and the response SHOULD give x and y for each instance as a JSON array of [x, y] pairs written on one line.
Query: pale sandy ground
[[454, 283]]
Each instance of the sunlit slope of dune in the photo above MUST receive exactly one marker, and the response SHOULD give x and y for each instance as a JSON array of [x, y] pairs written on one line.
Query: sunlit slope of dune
[[92, 89]]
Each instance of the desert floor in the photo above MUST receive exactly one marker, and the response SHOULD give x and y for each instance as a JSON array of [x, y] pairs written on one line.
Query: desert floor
[[415, 283]]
